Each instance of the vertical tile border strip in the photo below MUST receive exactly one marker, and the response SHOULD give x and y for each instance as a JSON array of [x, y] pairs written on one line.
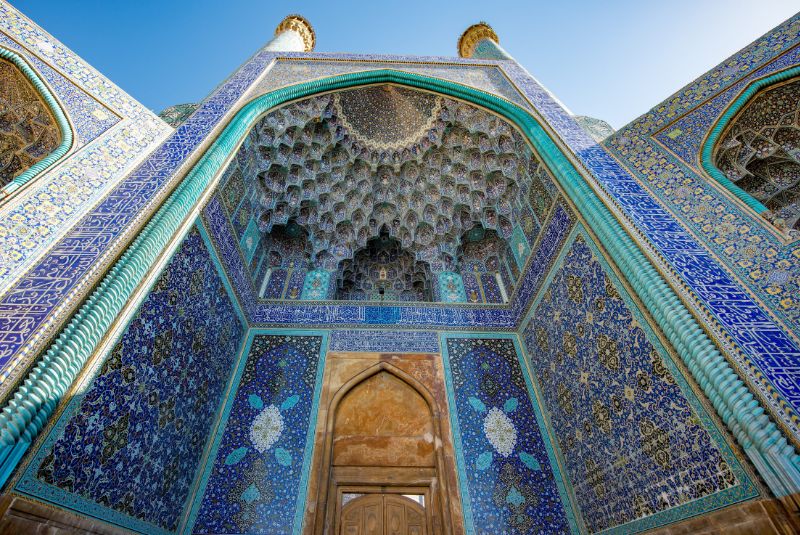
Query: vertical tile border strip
[[223, 275], [707, 148], [455, 427], [222, 422], [27, 412], [58, 114]]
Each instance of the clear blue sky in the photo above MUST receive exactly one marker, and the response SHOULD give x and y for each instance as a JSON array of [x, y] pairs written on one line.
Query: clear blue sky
[[610, 59]]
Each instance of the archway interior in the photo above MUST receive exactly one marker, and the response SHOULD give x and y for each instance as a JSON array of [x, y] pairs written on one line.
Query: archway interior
[[385, 193]]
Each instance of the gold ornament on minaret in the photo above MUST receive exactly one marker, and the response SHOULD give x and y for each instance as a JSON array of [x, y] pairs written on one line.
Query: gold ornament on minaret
[[299, 24], [471, 37]]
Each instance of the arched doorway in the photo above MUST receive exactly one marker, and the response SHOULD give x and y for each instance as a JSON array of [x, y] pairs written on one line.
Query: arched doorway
[[382, 460]]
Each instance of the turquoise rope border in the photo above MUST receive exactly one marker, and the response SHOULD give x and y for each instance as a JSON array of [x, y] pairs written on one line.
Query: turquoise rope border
[[723, 122], [745, 490], [61, 119], [27, 412]]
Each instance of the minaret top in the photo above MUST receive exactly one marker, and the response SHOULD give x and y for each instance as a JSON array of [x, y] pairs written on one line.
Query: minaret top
[[298, 24], [471, 37]]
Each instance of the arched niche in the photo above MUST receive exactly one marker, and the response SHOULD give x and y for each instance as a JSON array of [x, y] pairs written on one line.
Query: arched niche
[[383, 270], [383, 435]]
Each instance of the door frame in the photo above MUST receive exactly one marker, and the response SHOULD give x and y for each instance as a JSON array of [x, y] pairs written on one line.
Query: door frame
[[437, 505]]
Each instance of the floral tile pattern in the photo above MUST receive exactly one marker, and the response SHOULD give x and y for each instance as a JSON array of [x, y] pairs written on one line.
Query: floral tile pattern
[[255, 483], [633, 445], [507, 482], [128, 449]]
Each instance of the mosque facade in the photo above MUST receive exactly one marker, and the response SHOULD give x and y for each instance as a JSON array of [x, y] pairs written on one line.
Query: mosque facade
[[374, 294]]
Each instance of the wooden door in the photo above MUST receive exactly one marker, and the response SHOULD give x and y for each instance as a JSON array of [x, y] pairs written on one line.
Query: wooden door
[[383, 514]]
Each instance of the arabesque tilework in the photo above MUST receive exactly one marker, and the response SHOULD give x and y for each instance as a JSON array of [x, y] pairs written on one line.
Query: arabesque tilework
[[507, 482], [112, 131], [127, 449], [635, 442], [255, 483]]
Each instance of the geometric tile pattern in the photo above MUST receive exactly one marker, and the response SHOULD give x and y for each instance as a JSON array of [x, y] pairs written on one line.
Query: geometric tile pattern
[[127, 450], [256, 482], [633, 445], [507, 482]]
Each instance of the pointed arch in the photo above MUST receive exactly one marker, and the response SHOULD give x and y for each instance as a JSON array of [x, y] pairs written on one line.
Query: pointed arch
[[440, 506]]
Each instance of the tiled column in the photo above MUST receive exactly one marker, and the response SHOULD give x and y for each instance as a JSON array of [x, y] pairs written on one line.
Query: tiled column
[[480, 42], [293, 34]]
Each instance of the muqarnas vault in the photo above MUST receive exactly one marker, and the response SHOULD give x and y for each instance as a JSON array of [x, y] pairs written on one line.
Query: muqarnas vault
[[391, 294]]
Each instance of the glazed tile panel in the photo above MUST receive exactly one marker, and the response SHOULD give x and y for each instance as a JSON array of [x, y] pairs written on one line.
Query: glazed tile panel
[[769, 352], [507, 484], [384, 341], [636, 444], [256, 483], [127, 450]]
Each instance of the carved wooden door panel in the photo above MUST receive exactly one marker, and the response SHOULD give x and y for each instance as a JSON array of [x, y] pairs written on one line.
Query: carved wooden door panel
[[402, 516], [383, 514]]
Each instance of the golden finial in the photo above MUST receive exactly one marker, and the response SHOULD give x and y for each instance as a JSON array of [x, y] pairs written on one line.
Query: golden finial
[[471, 36], [299, 24]]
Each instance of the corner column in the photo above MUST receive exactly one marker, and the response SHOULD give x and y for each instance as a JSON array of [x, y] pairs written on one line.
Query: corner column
[[480, 42], [293, 34]]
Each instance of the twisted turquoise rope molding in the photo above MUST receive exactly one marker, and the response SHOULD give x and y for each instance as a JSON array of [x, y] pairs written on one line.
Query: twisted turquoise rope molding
[[27, 412], [707, 151], [61, 120]]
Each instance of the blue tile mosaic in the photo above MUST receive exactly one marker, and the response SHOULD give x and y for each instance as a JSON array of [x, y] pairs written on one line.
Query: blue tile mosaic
[[384, 341], [635, 442], [256, 483], [127, 449], [507, 482]]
